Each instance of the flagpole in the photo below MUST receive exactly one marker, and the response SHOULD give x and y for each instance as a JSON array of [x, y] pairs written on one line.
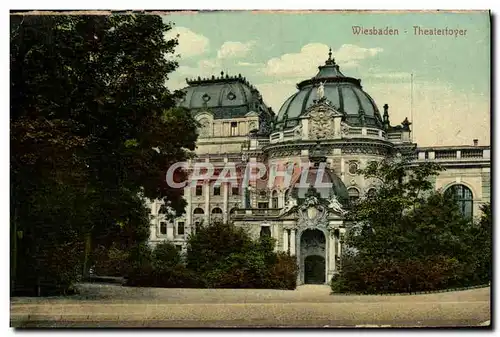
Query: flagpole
[[411, 106]]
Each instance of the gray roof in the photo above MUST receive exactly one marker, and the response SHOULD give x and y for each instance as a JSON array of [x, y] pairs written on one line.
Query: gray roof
[[224, 96]]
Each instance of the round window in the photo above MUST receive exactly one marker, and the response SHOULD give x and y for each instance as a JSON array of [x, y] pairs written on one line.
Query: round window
[[353, 168]]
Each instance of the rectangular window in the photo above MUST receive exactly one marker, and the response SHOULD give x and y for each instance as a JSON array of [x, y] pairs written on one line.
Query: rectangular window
[[263, 205], [265, 231], [235, 191], [180, 228], [199, 190], [216, 190], [163, 227], [179, 247], [234, 128]]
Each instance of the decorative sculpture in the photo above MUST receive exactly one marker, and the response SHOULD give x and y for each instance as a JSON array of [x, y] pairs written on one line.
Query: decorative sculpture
[[321, 91], [335, 205], [291, 203]]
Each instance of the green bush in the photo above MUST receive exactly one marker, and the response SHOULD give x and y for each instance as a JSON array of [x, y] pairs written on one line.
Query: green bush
[[110, 261], [395, 276], [237, 262], [52, 268], [283, 273], [159, 267]]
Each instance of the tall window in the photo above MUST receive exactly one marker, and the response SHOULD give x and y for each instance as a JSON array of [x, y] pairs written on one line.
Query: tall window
[[199, 190], [353, 194], [463, 196], [274, 200], [235, 191], [216, 190], [180, 228], [163, 227], [265, 231], [234, 128]]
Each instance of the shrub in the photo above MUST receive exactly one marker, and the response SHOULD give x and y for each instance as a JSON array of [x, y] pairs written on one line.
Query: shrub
[[283, 273], [396, 276], [214, 243], [159, 267], [213, 262], [110, 261]]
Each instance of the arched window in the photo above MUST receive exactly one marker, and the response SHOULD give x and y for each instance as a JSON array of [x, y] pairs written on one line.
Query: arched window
[[463, 196], [371, 192], [274, 200], [198, 210], [353, 194], [217, 210], [232, 210], [285, 196]]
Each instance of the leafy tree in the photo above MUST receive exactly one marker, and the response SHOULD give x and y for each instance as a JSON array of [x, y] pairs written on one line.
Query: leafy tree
[[214, 243], [380, 217], [408, 237], [91, 119]]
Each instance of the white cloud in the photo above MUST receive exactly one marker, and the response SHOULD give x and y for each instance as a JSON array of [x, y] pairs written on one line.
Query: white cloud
[[312, 55], [190, 43], [389, 75], [353, 53], [249, 64], [231, 49], [274, 94]]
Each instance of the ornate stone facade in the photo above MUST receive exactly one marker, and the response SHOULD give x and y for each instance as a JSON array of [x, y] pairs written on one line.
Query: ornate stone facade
[[308, 223]]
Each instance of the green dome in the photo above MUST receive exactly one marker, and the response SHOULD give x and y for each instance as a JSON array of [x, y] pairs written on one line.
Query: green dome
[[344, 93]]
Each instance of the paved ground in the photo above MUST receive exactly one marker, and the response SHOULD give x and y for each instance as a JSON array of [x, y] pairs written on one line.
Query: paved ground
[[308, 306]]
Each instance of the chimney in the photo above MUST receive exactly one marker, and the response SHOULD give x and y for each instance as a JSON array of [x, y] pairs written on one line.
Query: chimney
[[475, 142]]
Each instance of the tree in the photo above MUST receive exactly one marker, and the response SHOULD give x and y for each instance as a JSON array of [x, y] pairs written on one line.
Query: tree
[[402, 187], [214, 243], [408, 237], [91, 117]]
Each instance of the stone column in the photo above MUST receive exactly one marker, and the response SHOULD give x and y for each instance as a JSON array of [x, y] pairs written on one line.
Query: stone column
[[189, 208], [331, 253], [225, 211], [292, 243], [275, 235], [285, 240], [206, 185], [339, 246], [170, 230]]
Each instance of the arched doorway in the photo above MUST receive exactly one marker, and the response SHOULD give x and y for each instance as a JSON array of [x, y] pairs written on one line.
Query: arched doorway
[[314, 269], [313, 258]]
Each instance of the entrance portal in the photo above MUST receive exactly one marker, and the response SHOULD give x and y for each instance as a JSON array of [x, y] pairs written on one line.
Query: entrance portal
[[312, 257], [314, 272]]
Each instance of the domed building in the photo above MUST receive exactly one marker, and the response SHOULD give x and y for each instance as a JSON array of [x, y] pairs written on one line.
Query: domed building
[[304, 164]]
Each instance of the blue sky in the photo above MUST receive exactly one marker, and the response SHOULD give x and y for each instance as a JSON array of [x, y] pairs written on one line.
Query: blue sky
[[275, 50]]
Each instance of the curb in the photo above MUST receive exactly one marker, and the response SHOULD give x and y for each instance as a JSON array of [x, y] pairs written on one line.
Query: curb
[[411, 293]]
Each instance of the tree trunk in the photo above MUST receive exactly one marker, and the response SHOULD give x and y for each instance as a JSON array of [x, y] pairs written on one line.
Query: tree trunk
[[14, 253], [88, 246]]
